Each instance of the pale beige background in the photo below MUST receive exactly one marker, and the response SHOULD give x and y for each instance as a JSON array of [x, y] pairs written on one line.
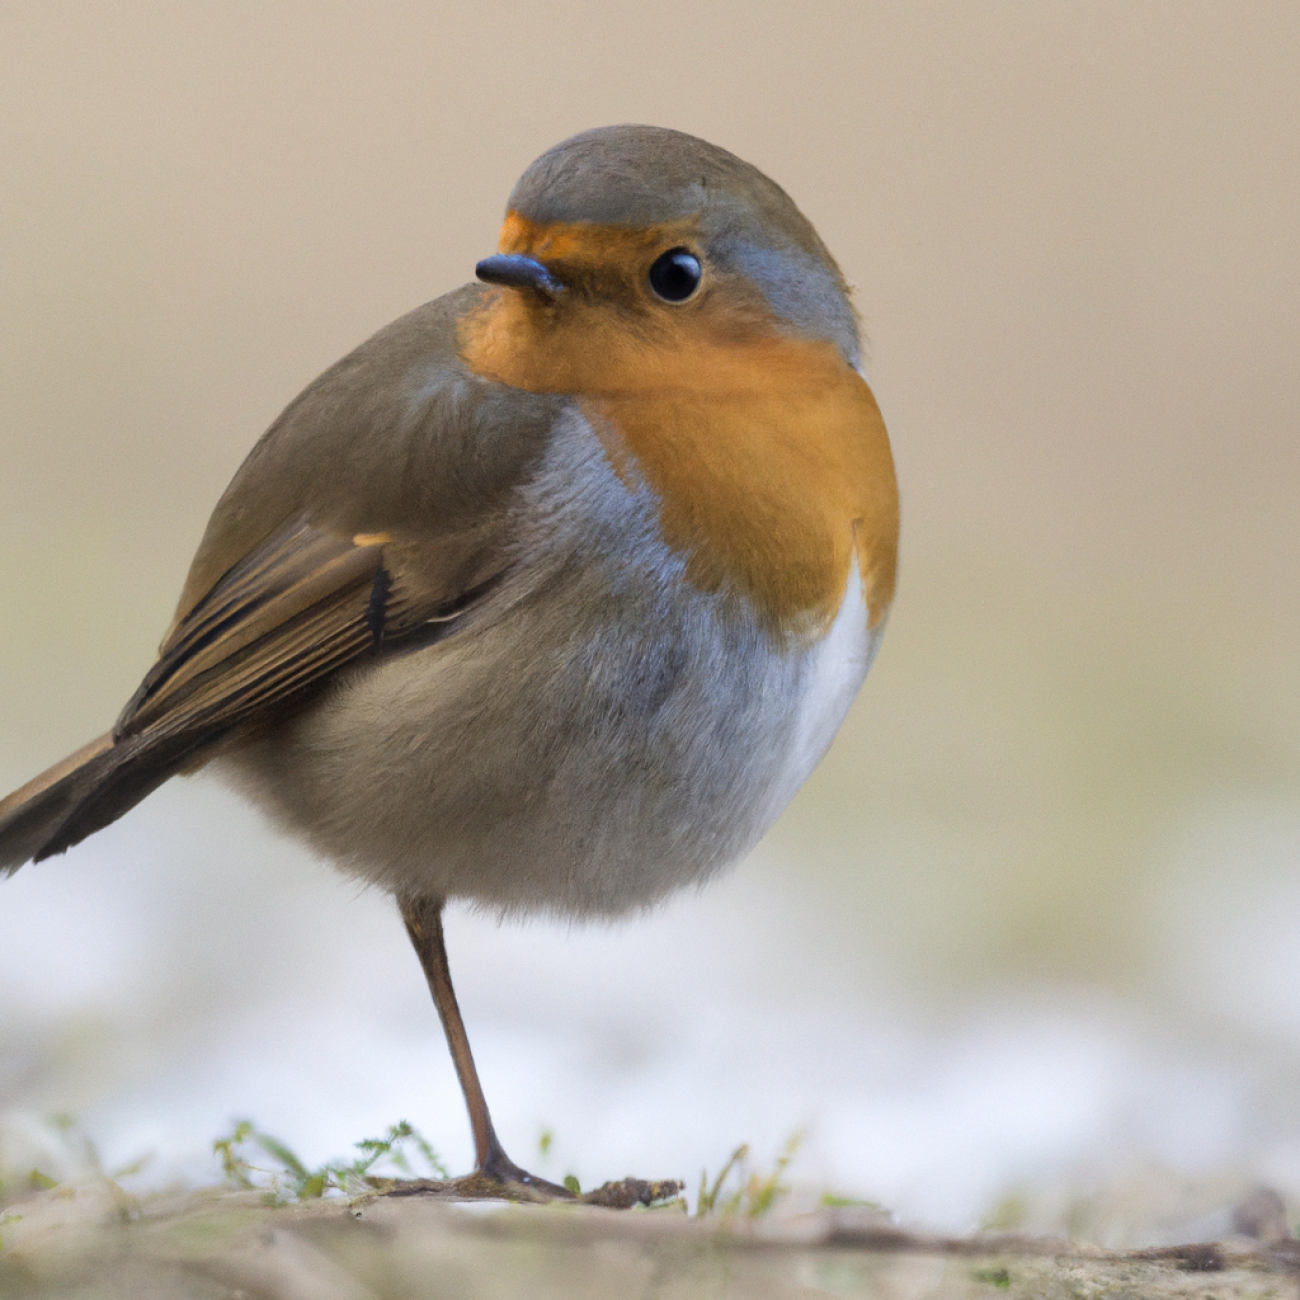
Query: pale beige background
[[1036, 916]]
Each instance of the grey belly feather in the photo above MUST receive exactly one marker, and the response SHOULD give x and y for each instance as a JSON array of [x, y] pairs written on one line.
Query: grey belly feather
[[596, 734]]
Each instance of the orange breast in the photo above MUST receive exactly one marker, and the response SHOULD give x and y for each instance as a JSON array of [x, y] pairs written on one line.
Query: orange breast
[[767, 453]]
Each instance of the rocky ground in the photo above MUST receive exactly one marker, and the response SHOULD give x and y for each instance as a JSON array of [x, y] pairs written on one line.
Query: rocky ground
[[92, 1241]]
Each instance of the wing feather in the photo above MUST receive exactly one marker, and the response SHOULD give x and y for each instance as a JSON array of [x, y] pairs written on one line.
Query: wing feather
[[296, 575], [292, 611]]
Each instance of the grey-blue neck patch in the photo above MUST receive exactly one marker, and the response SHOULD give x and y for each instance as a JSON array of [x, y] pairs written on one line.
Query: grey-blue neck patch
[[801, 290]]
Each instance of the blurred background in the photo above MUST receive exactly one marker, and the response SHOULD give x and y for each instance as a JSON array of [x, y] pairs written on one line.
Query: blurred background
[[1027, 947]]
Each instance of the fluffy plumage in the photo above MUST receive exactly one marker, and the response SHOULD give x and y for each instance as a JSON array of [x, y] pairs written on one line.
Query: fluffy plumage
[[548, 601]]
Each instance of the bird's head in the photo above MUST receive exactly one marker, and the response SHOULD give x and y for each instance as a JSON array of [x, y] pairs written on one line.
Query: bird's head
[[628, 250]]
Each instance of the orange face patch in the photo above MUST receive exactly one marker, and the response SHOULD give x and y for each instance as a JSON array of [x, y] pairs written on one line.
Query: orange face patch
[[767, 452]]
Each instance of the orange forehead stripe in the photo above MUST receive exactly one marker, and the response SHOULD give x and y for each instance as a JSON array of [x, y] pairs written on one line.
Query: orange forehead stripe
[[581, 241]]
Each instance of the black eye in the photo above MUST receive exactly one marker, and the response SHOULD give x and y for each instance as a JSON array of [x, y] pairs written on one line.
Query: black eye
[[675, 275]]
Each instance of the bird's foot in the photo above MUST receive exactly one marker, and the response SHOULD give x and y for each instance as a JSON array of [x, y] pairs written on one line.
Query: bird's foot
[[499, 1168], [498, 1178], [505, 1181]]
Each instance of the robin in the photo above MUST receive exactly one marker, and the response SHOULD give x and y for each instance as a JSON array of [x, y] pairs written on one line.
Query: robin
[[551, 594]]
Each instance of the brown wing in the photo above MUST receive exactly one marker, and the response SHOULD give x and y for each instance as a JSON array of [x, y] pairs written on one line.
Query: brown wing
[[303, 603], [376, 507], [293, 611]]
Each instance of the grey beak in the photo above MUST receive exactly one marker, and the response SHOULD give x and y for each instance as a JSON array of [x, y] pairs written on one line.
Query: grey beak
[[519, 272]]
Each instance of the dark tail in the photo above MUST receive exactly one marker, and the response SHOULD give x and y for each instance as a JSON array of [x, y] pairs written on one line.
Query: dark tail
[[81, 795]]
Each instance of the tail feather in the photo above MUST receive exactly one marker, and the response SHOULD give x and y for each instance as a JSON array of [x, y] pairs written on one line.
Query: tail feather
[[82, 794]]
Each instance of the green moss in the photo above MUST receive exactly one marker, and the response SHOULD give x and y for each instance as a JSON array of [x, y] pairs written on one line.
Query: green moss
[[282, 1176], [754, 1193]]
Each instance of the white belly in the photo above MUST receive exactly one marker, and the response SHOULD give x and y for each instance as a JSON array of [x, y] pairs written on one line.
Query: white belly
[[836, 668]]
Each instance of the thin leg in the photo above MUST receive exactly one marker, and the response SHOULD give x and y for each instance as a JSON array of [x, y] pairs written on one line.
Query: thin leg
[[423, 917]]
